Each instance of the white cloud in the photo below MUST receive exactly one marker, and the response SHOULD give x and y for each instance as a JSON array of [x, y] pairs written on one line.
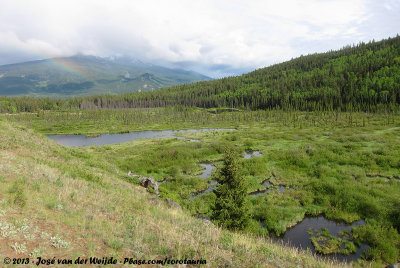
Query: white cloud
[[10, 42], [239, 34]]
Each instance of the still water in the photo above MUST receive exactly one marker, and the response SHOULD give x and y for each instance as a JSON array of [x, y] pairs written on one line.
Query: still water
[[208, 168], [103, 139], [248, 155], [298, 236]]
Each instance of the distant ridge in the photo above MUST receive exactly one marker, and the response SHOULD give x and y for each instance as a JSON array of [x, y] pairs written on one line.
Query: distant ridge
[[88, 75]]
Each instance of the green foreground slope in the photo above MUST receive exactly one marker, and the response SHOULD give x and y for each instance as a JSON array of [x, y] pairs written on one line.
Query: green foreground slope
[[64, 202]]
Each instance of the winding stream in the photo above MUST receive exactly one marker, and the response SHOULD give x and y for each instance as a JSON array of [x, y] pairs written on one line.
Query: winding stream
[[208, 168], [213, 183]]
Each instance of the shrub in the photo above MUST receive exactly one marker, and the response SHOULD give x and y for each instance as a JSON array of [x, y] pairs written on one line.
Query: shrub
[[19, 198]]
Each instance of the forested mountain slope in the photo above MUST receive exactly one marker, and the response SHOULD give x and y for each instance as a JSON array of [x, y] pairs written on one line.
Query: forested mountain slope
[[358, 77]]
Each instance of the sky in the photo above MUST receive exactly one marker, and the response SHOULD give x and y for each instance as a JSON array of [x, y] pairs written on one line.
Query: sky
[[217, 38]]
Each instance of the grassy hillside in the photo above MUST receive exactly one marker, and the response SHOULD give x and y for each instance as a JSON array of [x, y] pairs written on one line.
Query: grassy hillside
[[64, 202], [84, 75]]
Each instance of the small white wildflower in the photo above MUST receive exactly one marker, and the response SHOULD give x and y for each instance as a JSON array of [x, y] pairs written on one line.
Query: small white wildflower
[[19, 248], [23, 229], [7, 230], [37, 252], [44, 235], [29, 236], [57, 242]]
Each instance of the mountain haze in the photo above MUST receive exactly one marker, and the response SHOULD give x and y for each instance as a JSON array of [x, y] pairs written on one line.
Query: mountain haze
[[88, 75]]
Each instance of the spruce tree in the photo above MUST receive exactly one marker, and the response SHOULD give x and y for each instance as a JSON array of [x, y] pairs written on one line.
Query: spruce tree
[[231, 209]]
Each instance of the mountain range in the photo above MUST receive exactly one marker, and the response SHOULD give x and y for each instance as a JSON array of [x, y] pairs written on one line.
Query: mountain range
[[88, 75]]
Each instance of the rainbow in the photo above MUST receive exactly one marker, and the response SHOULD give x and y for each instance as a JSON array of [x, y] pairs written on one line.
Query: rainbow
[[69, 66]]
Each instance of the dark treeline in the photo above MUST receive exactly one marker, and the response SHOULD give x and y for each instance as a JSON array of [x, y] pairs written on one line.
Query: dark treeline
[[363, 77]]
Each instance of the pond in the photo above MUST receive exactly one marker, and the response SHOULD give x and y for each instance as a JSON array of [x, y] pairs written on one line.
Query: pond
[[103, 139], [377, 176], [299, 237], [248, 155], [267, 186]]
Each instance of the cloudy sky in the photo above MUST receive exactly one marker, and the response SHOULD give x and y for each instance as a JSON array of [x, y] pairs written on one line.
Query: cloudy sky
[[216, 38]]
